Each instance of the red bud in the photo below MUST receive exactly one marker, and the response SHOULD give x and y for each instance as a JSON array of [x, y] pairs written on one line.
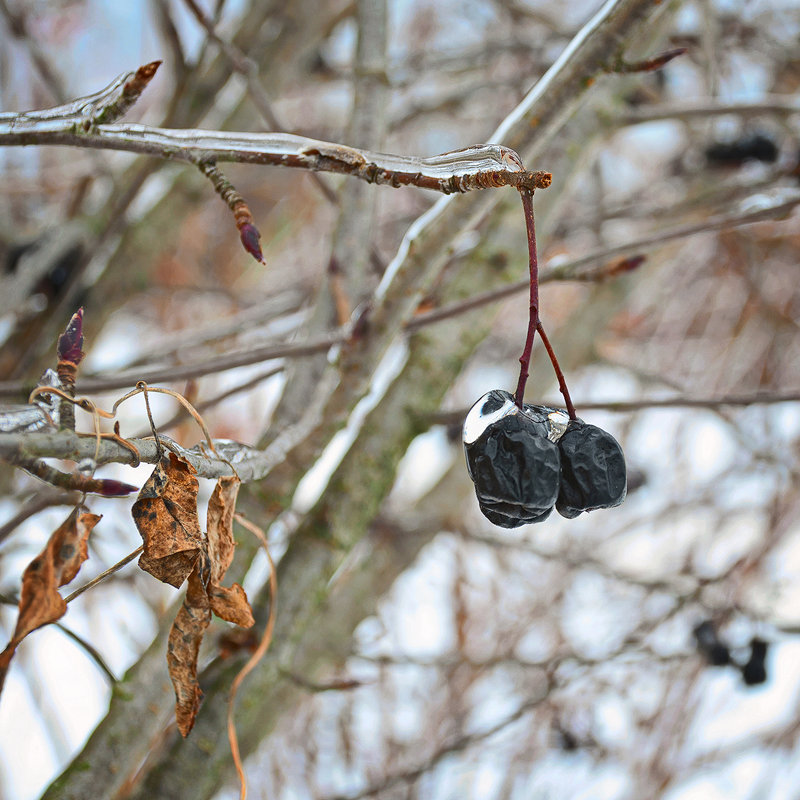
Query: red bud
[[250, 236], [108, 487], [70, 343]]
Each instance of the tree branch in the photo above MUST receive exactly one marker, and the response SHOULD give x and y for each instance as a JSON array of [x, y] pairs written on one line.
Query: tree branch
[[477, 167]]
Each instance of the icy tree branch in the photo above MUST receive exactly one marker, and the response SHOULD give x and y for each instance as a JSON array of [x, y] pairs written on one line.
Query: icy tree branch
[[76, 125]]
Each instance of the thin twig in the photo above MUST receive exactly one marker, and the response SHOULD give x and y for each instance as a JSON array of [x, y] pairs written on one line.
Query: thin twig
[[46, 498], [169, 32], [248, 68], [456, 745], [627, 406], [254, 316], [585, 269], [71, 481], [90, 650], [105, 574], [780, 105], [50, 75], [248, 232], [195, 369]]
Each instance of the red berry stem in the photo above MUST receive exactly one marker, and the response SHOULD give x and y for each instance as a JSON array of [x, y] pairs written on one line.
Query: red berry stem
[[533, 308], [562, 383], [533, 318]]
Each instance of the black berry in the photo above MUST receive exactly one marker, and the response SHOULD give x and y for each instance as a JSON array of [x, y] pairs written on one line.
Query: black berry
[[755, 147], [512, 462], [709, 644], [592, 470], [754, 671]]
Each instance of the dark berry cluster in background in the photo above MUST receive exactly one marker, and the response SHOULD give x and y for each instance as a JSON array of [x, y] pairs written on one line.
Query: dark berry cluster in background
[[718, 654], [524, 462], [750, 147]]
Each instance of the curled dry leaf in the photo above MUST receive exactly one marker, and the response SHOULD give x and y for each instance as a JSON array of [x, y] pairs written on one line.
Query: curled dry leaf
[[183, 647], [228, 603], [166, 515], [205, 594], [59, 562]]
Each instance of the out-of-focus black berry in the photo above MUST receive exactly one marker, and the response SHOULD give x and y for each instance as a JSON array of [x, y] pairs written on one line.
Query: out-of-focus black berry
[[752, 147], [708, 643], [513, 464], [755, 671], [592, 470]]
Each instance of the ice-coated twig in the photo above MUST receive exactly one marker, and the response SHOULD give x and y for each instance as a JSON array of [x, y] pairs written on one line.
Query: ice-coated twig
[[101, 107], [117, 106], [86, 123], [248, 69]]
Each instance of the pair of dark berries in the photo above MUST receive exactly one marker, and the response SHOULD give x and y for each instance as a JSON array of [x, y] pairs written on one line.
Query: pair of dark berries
[[754, 670], [526, 461]]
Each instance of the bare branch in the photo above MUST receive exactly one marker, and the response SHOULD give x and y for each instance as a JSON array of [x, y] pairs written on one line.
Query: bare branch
[[106, 573], [585, 269], [626, 406], [779, 105], [46, 498], [48, 72], [209, 366], [457, 745]]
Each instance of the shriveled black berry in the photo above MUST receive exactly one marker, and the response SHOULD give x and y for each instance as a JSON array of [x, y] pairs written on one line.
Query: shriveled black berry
[[513, 464], [755, 147], [709, 644], [755, 671], [592, 470]]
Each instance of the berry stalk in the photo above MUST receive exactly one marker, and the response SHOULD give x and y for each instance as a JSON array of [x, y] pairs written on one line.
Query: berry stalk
[[534, 324], [533, 307], [562, 383]]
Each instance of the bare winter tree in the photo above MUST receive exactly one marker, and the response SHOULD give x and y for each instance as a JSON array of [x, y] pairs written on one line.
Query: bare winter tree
[[333, 344]]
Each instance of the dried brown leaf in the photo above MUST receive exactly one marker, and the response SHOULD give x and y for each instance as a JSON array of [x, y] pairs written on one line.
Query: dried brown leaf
[[166, 515], [221, 544], [183, 647], [231, 603], [59, 562], [204, 593]]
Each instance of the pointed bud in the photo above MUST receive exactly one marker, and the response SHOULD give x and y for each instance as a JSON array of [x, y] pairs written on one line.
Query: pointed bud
[[108, 487], [70, 343], [250, 236]]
